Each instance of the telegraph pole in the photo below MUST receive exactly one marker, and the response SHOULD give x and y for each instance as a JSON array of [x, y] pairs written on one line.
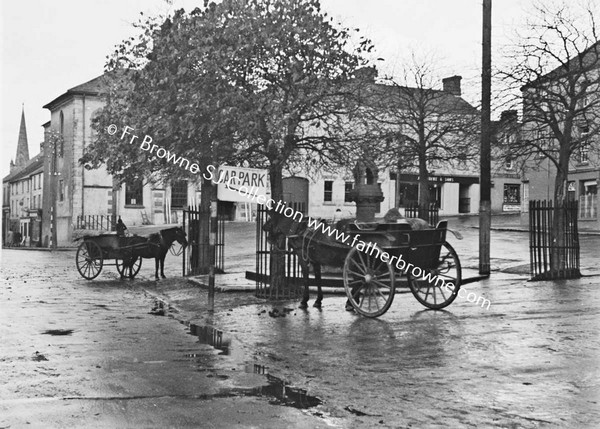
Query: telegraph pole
[[485, 215]]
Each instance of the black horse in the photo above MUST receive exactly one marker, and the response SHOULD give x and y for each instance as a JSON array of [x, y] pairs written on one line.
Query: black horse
[[316, 248], [312, 247], [154, 246]]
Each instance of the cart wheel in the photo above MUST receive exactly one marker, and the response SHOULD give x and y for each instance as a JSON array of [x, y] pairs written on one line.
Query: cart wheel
[[369, 283], [435, 294], [89, 260], [130, 271]]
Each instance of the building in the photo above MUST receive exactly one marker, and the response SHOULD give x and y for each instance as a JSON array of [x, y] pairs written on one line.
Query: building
[[454, 185], [573, 92], [509, 186], [77, 199], [22, 195]]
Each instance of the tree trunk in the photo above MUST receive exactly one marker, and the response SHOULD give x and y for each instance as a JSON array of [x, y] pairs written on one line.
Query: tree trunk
[[204, 259], [557, 236], [278, 285], [424, 197]]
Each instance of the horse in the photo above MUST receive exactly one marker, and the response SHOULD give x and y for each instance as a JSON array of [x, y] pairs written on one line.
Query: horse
[[314, 247], [154, 246], [303, 241]]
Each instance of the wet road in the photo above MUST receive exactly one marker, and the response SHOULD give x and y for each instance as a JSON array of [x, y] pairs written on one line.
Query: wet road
[[531, 360], [88, 354]]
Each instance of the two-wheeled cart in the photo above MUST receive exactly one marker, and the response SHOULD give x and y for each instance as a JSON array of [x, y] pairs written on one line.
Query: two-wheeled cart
[[94, 251]]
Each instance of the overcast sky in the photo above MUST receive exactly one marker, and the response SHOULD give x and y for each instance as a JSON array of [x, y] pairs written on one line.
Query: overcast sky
[[50, 46]]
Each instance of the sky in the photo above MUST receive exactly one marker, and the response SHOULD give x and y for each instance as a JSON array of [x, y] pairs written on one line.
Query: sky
[[50, 46]]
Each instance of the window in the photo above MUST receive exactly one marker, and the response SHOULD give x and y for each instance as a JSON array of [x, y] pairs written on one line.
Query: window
[[61, 190], [512, 194], [134, 193], [584, 153], [509, 164], [328, 190], [348, 186], [179, 194]]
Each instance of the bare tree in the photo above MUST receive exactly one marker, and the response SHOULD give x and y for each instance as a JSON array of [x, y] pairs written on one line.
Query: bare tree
[[556, 66], [421, 127]]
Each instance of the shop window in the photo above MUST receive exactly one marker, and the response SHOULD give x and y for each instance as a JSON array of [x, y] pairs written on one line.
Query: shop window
[[179, 194], [512, 194], [61, 190], [348, 186], [134, 193], [328, 191]]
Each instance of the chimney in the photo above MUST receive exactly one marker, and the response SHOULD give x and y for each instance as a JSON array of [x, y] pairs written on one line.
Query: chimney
[[452, 85]]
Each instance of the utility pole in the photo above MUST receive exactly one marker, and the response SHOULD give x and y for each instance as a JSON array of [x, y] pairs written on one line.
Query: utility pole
[[485, 213]]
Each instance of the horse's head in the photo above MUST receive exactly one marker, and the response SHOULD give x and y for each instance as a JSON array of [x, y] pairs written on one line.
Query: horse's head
[[278, 225], [180, 236]]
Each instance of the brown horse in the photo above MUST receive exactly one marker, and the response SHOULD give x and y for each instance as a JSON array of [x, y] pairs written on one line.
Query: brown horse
[[155, 246]]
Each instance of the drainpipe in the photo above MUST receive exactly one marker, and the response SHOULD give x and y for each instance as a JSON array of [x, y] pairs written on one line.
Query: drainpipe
[[82, 167]]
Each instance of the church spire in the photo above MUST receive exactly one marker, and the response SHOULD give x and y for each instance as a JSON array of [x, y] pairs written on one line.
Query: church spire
[[22, 146]]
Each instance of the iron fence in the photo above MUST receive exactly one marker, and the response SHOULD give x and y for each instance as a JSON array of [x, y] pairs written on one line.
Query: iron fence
[[196, 258], [432, 212], [96, 222], [543, 246], [291, 287]]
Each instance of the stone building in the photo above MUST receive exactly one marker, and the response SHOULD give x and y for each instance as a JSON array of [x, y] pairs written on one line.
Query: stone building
[[76, 199], [22, 195]]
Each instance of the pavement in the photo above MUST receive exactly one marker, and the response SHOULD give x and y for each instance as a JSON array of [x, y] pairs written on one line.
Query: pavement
[[532, 360]]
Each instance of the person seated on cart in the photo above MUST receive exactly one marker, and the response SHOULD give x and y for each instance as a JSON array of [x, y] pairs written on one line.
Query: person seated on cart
[[121, 228]]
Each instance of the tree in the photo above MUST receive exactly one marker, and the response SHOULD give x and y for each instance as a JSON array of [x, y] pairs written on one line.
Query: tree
[[556, 66], [168, 84], [296, 70], [421, 127], [253, 80]]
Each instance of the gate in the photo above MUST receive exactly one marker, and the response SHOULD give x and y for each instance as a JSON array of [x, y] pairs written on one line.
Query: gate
[[196, 225], [433, 212], [541, 246], [262, 275]]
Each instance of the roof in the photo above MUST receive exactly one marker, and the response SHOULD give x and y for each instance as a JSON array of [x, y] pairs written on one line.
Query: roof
[[92, 87], [588, 58], [444, 100], [36, 163]]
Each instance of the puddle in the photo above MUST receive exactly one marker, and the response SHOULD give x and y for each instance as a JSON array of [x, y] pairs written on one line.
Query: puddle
[[211, 336], [280, 393], [58, 332], [276, 390]]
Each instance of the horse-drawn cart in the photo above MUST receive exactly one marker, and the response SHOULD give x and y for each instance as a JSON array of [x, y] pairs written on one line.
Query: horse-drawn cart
[[95, 250], [127, 251], [373, 258], [431, 266]]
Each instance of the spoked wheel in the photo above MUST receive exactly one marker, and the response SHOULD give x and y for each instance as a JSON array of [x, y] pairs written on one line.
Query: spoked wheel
[[128, 267], [369, 283], [435, 291], [89, 260]]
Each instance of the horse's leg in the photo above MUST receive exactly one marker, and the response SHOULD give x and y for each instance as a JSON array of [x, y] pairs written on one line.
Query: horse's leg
[[317, 268], [162, 265], [305, 270], [156, 263]]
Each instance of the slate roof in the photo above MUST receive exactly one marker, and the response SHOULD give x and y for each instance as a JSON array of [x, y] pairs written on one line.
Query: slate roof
[[36, 163], [92, 87]]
